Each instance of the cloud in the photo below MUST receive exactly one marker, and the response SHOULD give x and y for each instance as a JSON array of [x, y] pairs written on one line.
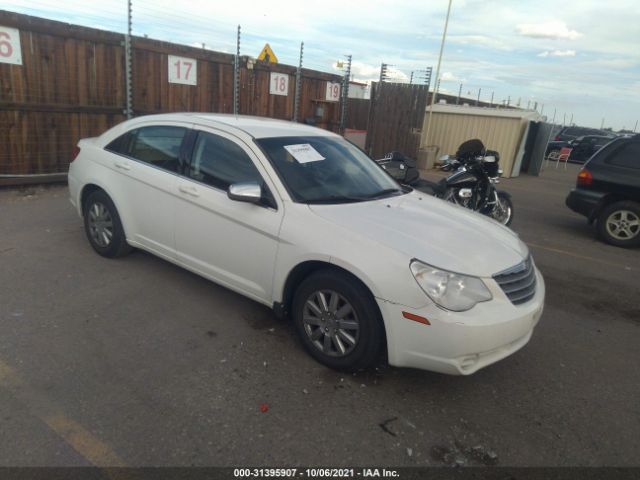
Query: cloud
[[555, 29], [479, 41], [450, 77], [557, 53]]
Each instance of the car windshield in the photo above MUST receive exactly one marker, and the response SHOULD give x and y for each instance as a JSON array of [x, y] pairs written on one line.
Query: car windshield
[[327, 170]]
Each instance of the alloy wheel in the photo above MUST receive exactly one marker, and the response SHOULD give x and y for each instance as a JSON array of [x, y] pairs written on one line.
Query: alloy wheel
[[623, 225], [501, 212], [100, 224], [331, 323]]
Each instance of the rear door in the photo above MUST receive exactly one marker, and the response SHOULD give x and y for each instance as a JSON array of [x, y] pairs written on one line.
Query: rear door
[[620, 172], [148, 159], [233, 243]]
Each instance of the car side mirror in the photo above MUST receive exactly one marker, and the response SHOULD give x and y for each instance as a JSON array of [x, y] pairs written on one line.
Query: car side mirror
[[249, 192]]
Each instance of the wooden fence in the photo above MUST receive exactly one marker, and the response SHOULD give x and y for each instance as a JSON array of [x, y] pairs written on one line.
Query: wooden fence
[[394, 116], [71, 84], [395, 119]]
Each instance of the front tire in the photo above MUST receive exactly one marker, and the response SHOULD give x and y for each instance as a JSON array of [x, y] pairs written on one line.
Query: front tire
[[619, 224], [503, 212], [338, 321], [103, 226]]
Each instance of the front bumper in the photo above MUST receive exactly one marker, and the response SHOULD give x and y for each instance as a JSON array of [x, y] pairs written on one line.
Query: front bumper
[[460, 343]]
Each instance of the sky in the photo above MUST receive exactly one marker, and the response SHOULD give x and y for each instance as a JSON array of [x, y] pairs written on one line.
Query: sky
[[579, 58]]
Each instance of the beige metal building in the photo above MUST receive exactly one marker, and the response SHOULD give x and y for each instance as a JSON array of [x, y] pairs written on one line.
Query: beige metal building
[[499, 129]]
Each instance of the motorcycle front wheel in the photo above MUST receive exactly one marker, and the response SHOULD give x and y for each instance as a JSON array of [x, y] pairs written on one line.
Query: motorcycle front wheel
[[503, 209]]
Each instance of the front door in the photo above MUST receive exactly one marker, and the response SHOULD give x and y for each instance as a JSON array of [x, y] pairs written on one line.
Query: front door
[[233, 243]]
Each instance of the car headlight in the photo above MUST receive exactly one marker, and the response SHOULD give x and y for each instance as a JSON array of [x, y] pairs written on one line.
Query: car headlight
[[448, 290]]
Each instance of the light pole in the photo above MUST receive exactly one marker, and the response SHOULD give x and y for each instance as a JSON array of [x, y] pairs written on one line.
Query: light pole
[[433, 96]]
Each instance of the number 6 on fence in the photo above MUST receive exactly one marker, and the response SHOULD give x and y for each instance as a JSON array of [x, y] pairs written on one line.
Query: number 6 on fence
[[10, 46]]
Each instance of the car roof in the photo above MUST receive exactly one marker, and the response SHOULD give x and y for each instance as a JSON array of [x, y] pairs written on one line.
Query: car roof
[[257, 127]]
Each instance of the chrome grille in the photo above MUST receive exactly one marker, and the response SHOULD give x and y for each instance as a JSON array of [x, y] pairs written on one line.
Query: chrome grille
[[519, 282]]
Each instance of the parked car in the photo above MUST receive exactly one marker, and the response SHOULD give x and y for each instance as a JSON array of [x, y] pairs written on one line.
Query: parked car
[[581, 148], [299, 219], [571, 133], [608, 192]]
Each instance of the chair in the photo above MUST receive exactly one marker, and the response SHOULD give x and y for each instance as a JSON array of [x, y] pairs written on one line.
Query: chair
[[564, 156]]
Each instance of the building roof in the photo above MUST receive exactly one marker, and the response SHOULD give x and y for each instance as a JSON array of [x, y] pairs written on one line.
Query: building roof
[[530, 115]]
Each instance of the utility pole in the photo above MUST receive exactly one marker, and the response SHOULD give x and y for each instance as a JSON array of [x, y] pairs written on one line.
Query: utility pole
[[383, 72], [636, 126], [345, 94], [127, 64], [296, 99], [602, 124], [478, 99], [491, 104], [236, 76], [508, 100], [459, 93], [433, 96], [528, 104], [411, 79], [542, 109], [427, 77]]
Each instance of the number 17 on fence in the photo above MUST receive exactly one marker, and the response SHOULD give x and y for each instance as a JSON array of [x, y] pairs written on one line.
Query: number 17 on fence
[[183, 70]]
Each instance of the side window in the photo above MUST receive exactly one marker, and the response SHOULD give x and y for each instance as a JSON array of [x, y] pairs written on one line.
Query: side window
[[120, 144], [627, 156], [219, 162], [157, 145]]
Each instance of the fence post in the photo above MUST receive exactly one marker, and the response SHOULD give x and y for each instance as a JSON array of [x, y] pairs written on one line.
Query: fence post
[[127, 65], [296, 98], [345, 95], [236, 76]]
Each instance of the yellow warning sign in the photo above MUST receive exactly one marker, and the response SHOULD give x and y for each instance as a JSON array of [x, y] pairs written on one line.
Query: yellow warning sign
[[267, 54]]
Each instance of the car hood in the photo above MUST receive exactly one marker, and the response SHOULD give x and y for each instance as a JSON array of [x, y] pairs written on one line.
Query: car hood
[[436, 232]]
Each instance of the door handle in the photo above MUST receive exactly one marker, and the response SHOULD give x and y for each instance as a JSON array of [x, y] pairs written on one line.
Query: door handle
[[122, 165], [189, 190]]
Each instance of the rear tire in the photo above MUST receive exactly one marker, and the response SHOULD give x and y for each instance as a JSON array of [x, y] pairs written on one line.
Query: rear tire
[[619, 224], [103, 226], [338, 321]]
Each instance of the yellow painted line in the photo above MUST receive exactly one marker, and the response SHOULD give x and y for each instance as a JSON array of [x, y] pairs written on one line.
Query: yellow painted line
[[83, 442], [74, 434], [7, 376], [575, 255]]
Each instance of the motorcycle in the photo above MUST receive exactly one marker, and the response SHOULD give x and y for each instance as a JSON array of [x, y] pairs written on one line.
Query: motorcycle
[[475, 172]]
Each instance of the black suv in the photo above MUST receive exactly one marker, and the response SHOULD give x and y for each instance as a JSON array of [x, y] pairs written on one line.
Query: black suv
[[571, 133], [608, 192], [581, 148]]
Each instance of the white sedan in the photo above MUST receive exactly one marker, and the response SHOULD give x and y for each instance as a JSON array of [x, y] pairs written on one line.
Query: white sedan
[[300, 220]]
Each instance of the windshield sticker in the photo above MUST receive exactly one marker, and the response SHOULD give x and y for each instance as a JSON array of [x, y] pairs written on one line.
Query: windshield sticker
[[304, 153]]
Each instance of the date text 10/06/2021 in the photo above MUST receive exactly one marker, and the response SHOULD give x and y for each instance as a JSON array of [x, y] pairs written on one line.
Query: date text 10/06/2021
[[315, 473]]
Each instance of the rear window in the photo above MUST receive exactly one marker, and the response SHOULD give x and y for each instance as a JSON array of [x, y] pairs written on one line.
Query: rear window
[[627, 156], [157, 145]]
